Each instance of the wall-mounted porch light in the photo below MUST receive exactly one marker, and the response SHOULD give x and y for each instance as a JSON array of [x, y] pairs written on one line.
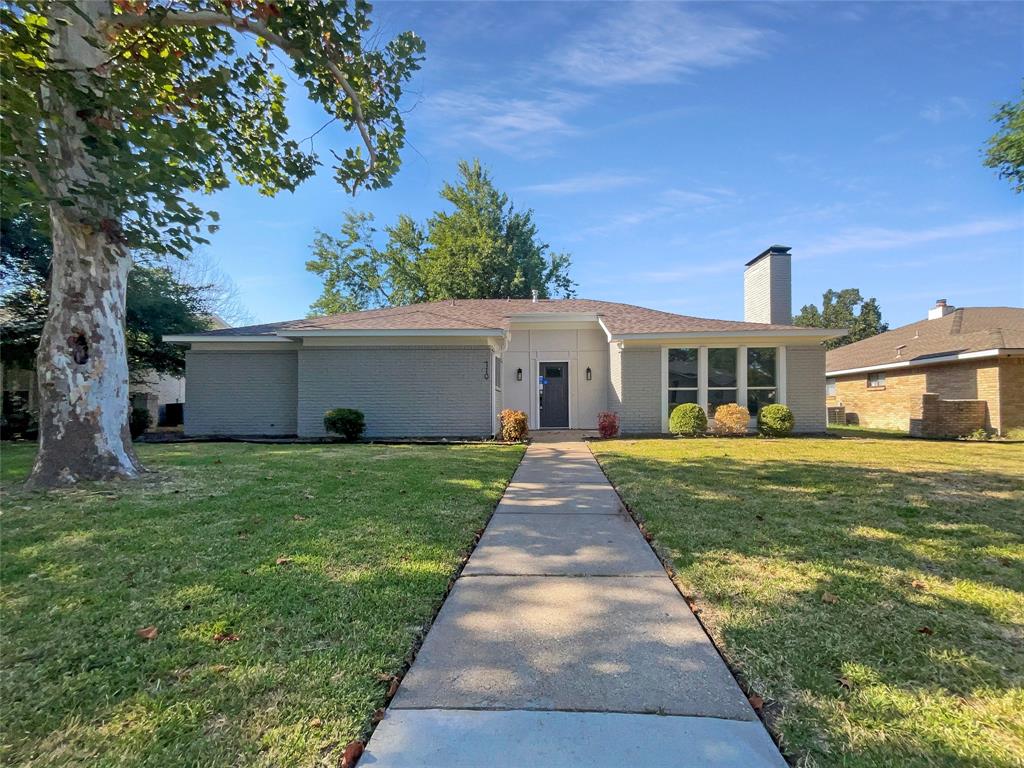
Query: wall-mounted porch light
[[590, 374], [519, 374]]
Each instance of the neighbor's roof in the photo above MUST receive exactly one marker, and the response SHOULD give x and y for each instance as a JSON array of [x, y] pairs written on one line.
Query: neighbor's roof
[[964, 330], [486, 314]]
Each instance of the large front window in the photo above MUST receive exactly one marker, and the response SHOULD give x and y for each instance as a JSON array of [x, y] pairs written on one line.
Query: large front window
[[682, 377], [722, 379], [761, 389]]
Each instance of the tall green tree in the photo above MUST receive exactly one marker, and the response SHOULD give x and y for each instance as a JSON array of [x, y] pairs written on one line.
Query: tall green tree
[[1005, 151], [156, 303], [115, 113], [839, 309], [481, 248]]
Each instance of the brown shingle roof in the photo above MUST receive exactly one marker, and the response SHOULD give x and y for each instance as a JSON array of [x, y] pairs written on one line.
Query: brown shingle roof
[[479, 314], [968, 329]]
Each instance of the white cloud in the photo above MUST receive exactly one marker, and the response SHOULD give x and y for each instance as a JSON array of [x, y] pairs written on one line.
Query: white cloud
[[947, 109], [879, 239], [654, 43], [501, 122], [591, 182]]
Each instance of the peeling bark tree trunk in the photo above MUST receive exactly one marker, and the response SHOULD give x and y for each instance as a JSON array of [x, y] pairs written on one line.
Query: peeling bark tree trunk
[[82, 363]]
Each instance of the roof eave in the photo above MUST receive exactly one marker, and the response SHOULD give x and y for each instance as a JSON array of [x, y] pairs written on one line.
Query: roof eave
[[182, 338], [349, 332], [918, 362], [800, 333]]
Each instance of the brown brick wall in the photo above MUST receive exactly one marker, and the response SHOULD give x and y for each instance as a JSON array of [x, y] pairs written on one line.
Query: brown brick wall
[[1011, 393], [895, 405], [948, 418]]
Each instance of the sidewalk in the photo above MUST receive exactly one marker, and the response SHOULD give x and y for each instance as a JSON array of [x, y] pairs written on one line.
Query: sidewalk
[[564, 643]]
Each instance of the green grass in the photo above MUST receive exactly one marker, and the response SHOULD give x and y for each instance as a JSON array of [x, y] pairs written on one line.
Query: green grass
[[920, 659], [850, 430], [373, 535]]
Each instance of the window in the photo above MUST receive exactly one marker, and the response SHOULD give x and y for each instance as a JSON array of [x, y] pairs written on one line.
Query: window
[[830, 387], [876, 381], [682, 377], [761, 389], [497, 373], [722, 380]]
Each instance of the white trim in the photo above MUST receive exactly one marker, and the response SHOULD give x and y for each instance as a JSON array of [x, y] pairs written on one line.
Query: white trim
[[664, 389], [780, 375], [600, 322], [568, 393], [822, 333], [397, 332], [494, 397], [741, 375], [184, 338], [927, 361], [702, 377]]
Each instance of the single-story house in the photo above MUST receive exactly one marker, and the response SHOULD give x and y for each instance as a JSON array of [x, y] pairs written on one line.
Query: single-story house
[[447, 368], [955, 372]]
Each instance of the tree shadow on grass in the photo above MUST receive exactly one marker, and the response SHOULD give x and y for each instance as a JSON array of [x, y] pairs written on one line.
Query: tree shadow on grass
[[916, 648]]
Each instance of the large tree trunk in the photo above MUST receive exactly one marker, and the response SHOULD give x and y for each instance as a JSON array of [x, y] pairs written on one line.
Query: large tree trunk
[[82, 363]]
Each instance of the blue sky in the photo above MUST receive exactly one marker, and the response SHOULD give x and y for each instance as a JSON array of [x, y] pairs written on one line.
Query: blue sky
[[663, 146]]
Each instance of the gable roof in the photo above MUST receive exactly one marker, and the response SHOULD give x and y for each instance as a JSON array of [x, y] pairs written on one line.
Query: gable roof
[[478, 315], [962, 331]]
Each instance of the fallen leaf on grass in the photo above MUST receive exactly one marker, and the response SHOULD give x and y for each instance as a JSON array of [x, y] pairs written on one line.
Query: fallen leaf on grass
[[352, 753], [828, 597], [378, 715], [219, 668], [756, 702], [298, 518], [393, 688], [315, 722], [844, 682], [926, 630], [308, 495], [283, 561], [225, 637], [918, 584], [147, 633]]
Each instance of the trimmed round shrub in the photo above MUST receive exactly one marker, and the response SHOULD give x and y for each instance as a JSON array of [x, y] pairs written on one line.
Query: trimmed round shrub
[[731, 419], [514, 426], [775, 420], [139, 422], [688, 419], [348, 423], [607, 424]]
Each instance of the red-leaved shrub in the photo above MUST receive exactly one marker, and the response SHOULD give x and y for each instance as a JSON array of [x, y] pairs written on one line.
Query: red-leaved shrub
[[608, 423], [513, 425]]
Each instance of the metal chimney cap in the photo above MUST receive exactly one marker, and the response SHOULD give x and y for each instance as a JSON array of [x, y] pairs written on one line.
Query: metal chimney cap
[[778, 250]]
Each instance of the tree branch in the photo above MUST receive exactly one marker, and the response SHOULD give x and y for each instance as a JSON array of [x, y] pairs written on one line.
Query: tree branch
[[207, 19]]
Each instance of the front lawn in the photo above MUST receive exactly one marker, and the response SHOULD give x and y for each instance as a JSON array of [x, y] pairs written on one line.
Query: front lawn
[[285, 582], [872, 591]]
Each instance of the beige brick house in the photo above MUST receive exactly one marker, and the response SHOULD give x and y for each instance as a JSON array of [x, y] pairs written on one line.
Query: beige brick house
[[956, 371], [448, 368]]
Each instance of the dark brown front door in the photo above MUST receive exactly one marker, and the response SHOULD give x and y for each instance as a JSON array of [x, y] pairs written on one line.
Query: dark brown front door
[[554, 395]]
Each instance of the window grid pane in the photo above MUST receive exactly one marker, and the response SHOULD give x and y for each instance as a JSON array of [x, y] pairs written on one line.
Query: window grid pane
[[722, 367], [761, 367]]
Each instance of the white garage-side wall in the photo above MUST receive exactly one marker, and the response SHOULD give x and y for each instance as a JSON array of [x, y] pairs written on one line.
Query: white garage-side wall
[[805, 387], [416, 391], [582, 345], [241, 392]]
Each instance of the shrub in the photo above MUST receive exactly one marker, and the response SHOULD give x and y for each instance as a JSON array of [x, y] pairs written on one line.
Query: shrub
[[775, 420], [346, 422], [514, 427], [688, 419], [979, 434], [139, 422], [608, 424], [731, 419]]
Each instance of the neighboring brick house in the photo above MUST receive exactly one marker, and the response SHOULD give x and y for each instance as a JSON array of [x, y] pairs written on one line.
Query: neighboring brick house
[[955, 372], [448, 368]]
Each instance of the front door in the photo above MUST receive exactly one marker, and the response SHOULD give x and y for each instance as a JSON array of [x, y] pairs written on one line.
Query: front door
[[554, 395]]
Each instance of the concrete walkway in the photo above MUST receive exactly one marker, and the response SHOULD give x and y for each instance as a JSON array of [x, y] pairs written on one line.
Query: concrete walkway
[[564, 643]]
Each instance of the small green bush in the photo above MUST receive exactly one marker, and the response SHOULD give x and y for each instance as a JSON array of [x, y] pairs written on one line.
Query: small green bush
[[514, 425], [139, 422], [688, 419], [731, 419], [346, 422], [775, 420]]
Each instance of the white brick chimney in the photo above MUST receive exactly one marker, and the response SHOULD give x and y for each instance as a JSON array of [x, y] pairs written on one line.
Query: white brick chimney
[[768, 287], [941, 309]]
